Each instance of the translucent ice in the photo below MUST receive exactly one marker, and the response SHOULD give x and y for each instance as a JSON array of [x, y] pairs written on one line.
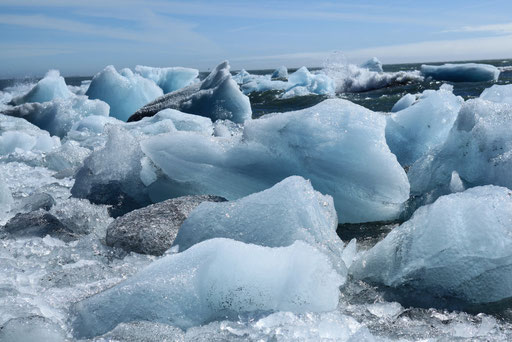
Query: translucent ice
[[281, 72], [416, 130], [405, 102], [289, 211], [349, 160], [459, 247], [498, 93], [169, 79], [216, 97], [318, 83], [467, 72], [51, 87], [125, 92], [373, 64], [216, 279]]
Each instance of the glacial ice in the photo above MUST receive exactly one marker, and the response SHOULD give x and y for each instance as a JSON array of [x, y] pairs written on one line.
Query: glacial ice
[[289, 211], [478, 148], [216, 97], [349, 160], [216, 279], [124, 91], [373, 64], [59, 115], [498, 93], [51, 87], [281, 72], [415, 131], [457, 248], [467, 72], [169, 79], [405, 102], [318, 83]]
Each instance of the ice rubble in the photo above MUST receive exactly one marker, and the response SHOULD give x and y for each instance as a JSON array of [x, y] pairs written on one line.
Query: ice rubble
[[216, 97], [478, 148], [124, 91], [467, 72], [373, 64], [169, 79], [449, 249], [415, 131], [289, 211], [369, 188], [218, 278], [51, 87]]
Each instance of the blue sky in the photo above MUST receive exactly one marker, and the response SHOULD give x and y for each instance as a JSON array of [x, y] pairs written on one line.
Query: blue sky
[[81, 37]]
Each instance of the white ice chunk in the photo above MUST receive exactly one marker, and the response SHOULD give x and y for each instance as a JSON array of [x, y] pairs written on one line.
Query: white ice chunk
[[289, 211], [458, 247], [338, 145], [216, 279], [125, 92], [373, 64], [456, 184], [416, 130], [169, 79], [281, 72], [405, 102], [51, 87], [467, 72], [319, 83], [498, 93]]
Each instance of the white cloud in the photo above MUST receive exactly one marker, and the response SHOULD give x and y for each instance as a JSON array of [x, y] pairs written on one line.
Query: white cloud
[[497, 28]]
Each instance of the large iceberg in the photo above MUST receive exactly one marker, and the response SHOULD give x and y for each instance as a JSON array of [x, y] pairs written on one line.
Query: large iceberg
[[420, 128], [338, 145], [216, 279], [289, 211], [478, 148], [467, 72], [124, 91], [169, 79], [51, 87], [216, 97], [454, 252]]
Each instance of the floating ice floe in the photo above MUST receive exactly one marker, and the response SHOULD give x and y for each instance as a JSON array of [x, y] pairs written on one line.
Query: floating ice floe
[[281, 72], [216, 279], [467, 72], [289, 211], [216, 97], [124, 91], [51, 87], [478, 147], [449, 252], [373, 64], [169, 79], [420, 128]]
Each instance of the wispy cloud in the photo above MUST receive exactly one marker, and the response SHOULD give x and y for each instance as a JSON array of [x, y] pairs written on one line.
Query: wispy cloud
[[496, 28]]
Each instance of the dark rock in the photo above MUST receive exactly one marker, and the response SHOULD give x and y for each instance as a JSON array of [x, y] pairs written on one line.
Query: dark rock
[[113, 195], [37, 201], [152, 229], [37, 223]]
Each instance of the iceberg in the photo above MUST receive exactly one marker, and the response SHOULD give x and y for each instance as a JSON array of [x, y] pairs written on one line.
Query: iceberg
[[478, 148], [405, 102], [124, 91], [216, 97], [242, 77], [59, 115], [51, 87], [459, 249], [498, 93], [216, 279], [349, 160], [319, 83], [373, 64], [417, 130], [280, 73], [467, 72], [169, 79], [289, 211]]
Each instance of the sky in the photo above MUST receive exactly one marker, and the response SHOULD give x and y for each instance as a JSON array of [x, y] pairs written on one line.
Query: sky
[[82, 37]]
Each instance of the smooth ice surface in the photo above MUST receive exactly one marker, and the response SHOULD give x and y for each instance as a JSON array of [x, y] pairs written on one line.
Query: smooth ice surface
[[458, 247], [467, 72], [338, 145], [373, 64], [59, 115], [478, 147], [216, 97], [51, 87], [416, 130], [498, 93], [405, 102], [124, 91], [289, 211], [169, 79], [218, 278]]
